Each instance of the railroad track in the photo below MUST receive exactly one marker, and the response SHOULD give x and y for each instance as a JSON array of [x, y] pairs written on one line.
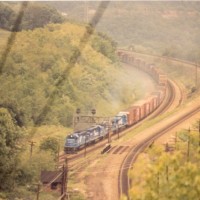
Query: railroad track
[[170, 97], [168, 101], [124, 150], [163, 57], [124, 182]]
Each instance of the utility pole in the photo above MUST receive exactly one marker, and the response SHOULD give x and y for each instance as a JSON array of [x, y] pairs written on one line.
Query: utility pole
[[196, 76], [167, 173], [199, 135], [58, 156], [38, 191], [31, 148], [109, 134], [64, 180], [166, 147], [158, 182], [176, 141], [118, 130], [85, 148], [188, 148]]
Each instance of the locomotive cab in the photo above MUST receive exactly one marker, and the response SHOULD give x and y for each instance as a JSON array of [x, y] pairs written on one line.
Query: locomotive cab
[[121, 120]]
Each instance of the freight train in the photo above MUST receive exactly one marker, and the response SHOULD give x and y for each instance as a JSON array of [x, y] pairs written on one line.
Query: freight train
[[128, 117]]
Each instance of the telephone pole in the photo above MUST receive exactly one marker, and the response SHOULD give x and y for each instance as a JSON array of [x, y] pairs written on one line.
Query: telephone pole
[[38, 191], [85, 151], [31, 143], [109, 133], [58, 155], [196, 76], [188, 148], [64, 180], [199, 135]]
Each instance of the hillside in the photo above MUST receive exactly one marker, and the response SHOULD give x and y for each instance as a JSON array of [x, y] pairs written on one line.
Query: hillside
[[44, 81], [46, 75], [164, 28], [33, 15]]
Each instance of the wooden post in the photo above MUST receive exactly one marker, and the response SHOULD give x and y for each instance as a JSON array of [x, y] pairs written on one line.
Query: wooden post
[[38, 191], [158, 182], [176, 141], [85, 148], [58, 155], [199, 136], [167, 173], [188, 148], [118, 130], [31, 148], [196, 76], [64, 180]]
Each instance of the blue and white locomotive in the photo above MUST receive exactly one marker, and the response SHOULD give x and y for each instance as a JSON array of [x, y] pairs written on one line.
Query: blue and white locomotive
[[120, 121], [79, 139]]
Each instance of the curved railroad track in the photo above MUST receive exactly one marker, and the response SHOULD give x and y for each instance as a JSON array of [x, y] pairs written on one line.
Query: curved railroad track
[[124, 182], [167, 102], [163, 57]]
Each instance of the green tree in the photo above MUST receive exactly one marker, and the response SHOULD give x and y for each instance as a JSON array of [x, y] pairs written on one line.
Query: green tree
[[10, 135], [7, 16], [38, 15], [50, 144]]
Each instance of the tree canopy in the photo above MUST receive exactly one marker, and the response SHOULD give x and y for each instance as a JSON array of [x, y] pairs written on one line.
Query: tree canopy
[[35, 15], [10, 136], [160, 27], [54, 73]]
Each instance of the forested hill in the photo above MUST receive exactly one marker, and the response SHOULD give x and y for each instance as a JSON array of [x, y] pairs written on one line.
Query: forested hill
[[44, 80], [35, 15], [165, 28]]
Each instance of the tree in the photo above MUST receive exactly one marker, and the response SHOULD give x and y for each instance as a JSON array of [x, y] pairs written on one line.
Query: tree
[[7, 16], [10, 135], [38, 15], [50, 144]]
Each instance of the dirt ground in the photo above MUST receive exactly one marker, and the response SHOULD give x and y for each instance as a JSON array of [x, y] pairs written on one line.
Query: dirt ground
[[102, 182], [98, 177], [101, 174]]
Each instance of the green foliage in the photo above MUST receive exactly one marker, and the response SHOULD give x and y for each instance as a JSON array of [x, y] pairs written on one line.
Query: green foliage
[[10, 135], [105, 46], [50, 144], [7, 16], [36, 15], [173, 176], [51, 81], [160, 27]]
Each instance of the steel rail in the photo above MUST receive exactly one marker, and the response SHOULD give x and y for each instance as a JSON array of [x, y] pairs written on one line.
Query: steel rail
[[163, 57], [167, 102], [124, 181]]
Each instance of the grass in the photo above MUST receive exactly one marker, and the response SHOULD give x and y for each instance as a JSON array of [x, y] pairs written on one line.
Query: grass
[[181, 72], [3, 37]]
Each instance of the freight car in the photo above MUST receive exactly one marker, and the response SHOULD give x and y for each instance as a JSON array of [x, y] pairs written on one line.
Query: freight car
[[127, 118]]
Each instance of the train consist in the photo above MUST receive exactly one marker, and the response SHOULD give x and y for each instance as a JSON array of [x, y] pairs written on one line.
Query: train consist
[[130, 116]]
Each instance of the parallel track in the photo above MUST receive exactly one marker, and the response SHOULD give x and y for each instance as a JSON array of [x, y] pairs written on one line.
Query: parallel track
[[124, 182], [163, 57], [163, 107], [169, 100]]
